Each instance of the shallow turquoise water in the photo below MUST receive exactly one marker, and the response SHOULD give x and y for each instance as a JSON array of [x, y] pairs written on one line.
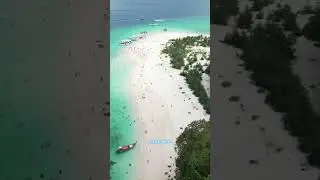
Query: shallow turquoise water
[[122, 126]]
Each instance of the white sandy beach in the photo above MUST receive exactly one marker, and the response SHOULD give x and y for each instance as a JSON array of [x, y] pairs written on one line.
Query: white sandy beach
[[162, 103]]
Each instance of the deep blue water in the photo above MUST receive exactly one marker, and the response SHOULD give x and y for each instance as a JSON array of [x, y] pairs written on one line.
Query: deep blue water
[[126, 12]]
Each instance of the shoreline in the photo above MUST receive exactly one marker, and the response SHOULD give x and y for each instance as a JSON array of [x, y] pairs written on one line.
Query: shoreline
[[165, 120]]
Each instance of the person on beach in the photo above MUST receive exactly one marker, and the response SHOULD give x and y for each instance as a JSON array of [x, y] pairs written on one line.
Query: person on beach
[[242, 107], [101, 78]]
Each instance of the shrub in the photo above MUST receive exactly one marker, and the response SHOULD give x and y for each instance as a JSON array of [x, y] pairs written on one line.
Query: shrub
[[260, 15], [235, 38], [194, 79], [222, 10], [312, 28], [245, 19], [226, 84], [258, 5], [234, 98], [207, 71]]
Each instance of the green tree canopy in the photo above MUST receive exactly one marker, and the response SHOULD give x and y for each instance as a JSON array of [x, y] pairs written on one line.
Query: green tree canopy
[[312, 29], [193, 148]]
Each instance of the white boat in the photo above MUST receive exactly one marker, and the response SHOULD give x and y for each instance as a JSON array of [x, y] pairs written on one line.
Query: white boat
[[159, 20], [126, 148], [136, 37], [125, 42], [154, 24], [133, 38]]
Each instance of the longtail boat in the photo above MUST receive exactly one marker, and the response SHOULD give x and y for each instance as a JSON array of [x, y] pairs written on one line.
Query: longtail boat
[[125, 148]]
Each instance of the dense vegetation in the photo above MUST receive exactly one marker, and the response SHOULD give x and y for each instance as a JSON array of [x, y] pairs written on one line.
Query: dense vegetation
[[308, 9], [245, 19], [260, 15], [207, 70], [267, 52], [178, 51], [258, 5], [194, 79], [285, 16], [193, 149], [236, 38], [312, 29], [177, 48], [222, 10]]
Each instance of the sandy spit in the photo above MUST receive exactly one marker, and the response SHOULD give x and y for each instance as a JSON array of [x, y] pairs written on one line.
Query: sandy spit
[[162, 103]]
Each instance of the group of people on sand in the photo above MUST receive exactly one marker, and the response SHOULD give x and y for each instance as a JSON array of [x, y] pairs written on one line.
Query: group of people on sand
[[139, 51], [134, 38]]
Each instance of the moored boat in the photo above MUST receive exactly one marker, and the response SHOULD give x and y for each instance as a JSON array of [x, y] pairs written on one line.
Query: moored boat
[[134, 38], [159, 20], [125, 42], [126, 148]]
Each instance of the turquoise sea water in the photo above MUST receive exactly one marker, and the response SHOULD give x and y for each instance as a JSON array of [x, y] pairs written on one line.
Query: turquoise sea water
[[122, 125]]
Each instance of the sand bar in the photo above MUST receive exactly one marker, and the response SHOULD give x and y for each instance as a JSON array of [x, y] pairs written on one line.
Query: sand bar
[[162, 104]]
